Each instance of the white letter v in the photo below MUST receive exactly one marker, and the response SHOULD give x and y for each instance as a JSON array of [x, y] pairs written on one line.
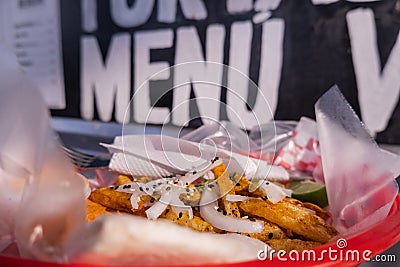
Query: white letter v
[[378, 92]]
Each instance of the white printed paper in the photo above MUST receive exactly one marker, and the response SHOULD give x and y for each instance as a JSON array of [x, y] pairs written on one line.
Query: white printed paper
[[31, 28]]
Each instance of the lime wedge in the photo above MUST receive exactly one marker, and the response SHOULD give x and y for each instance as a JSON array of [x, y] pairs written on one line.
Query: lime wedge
[[309, 191]]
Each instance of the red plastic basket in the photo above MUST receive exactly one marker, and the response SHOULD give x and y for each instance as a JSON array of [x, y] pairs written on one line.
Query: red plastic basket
[[376, 239]]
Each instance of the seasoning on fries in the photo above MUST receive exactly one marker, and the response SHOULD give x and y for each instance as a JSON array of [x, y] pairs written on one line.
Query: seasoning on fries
[[286, 223]]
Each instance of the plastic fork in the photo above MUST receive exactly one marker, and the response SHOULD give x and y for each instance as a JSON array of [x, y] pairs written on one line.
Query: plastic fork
[[83, 160]]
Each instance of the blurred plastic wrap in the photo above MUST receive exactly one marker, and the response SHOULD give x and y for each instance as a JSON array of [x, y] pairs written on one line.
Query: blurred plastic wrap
[[263, 141], [272, 137], [224, 135], [359, 176], [41, 197], [301, 154], [135, 241]]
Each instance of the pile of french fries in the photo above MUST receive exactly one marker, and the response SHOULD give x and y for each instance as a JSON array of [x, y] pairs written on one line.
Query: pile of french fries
[[288, 224]]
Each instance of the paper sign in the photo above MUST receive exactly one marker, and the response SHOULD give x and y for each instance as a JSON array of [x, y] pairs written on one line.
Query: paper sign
[[31, 28]]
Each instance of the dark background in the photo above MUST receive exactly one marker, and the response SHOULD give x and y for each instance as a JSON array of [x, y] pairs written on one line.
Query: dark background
[[316, 54]]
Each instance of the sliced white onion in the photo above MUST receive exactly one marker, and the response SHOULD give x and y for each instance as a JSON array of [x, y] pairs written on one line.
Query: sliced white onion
[[127, 188], [236, 198], [134, 201], [131, 188], [147, 188], [169, 196], [169, 191], [159, 207], [274, 173], [190, 177], [274, 192], [156, 210], [176, 204], [209, 175], [179, 206], [208, 210], [253, 168]]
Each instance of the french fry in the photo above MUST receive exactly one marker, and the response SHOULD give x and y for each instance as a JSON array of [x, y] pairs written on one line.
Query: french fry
[[226, 186], [270, 231], [317, 209], [292, 217], [94, 210], [112, 199], [119, 201], [310, 206], [123, 179], [182, 218], [242, 185], [291, 244]]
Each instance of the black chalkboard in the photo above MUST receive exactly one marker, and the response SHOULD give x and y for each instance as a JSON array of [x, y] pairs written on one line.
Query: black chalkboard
[[317, 50]]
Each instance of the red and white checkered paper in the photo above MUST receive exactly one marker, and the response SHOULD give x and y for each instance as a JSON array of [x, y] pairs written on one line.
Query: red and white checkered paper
[[302, 152]]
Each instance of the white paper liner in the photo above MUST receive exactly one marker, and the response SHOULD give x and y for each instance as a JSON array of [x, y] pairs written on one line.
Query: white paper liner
[[152, 155]]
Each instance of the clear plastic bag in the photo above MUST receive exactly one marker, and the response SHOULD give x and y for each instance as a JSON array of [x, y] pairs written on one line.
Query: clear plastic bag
[[42, 197], [359, 176], [301, 155], [271, 137], [263, 141]]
